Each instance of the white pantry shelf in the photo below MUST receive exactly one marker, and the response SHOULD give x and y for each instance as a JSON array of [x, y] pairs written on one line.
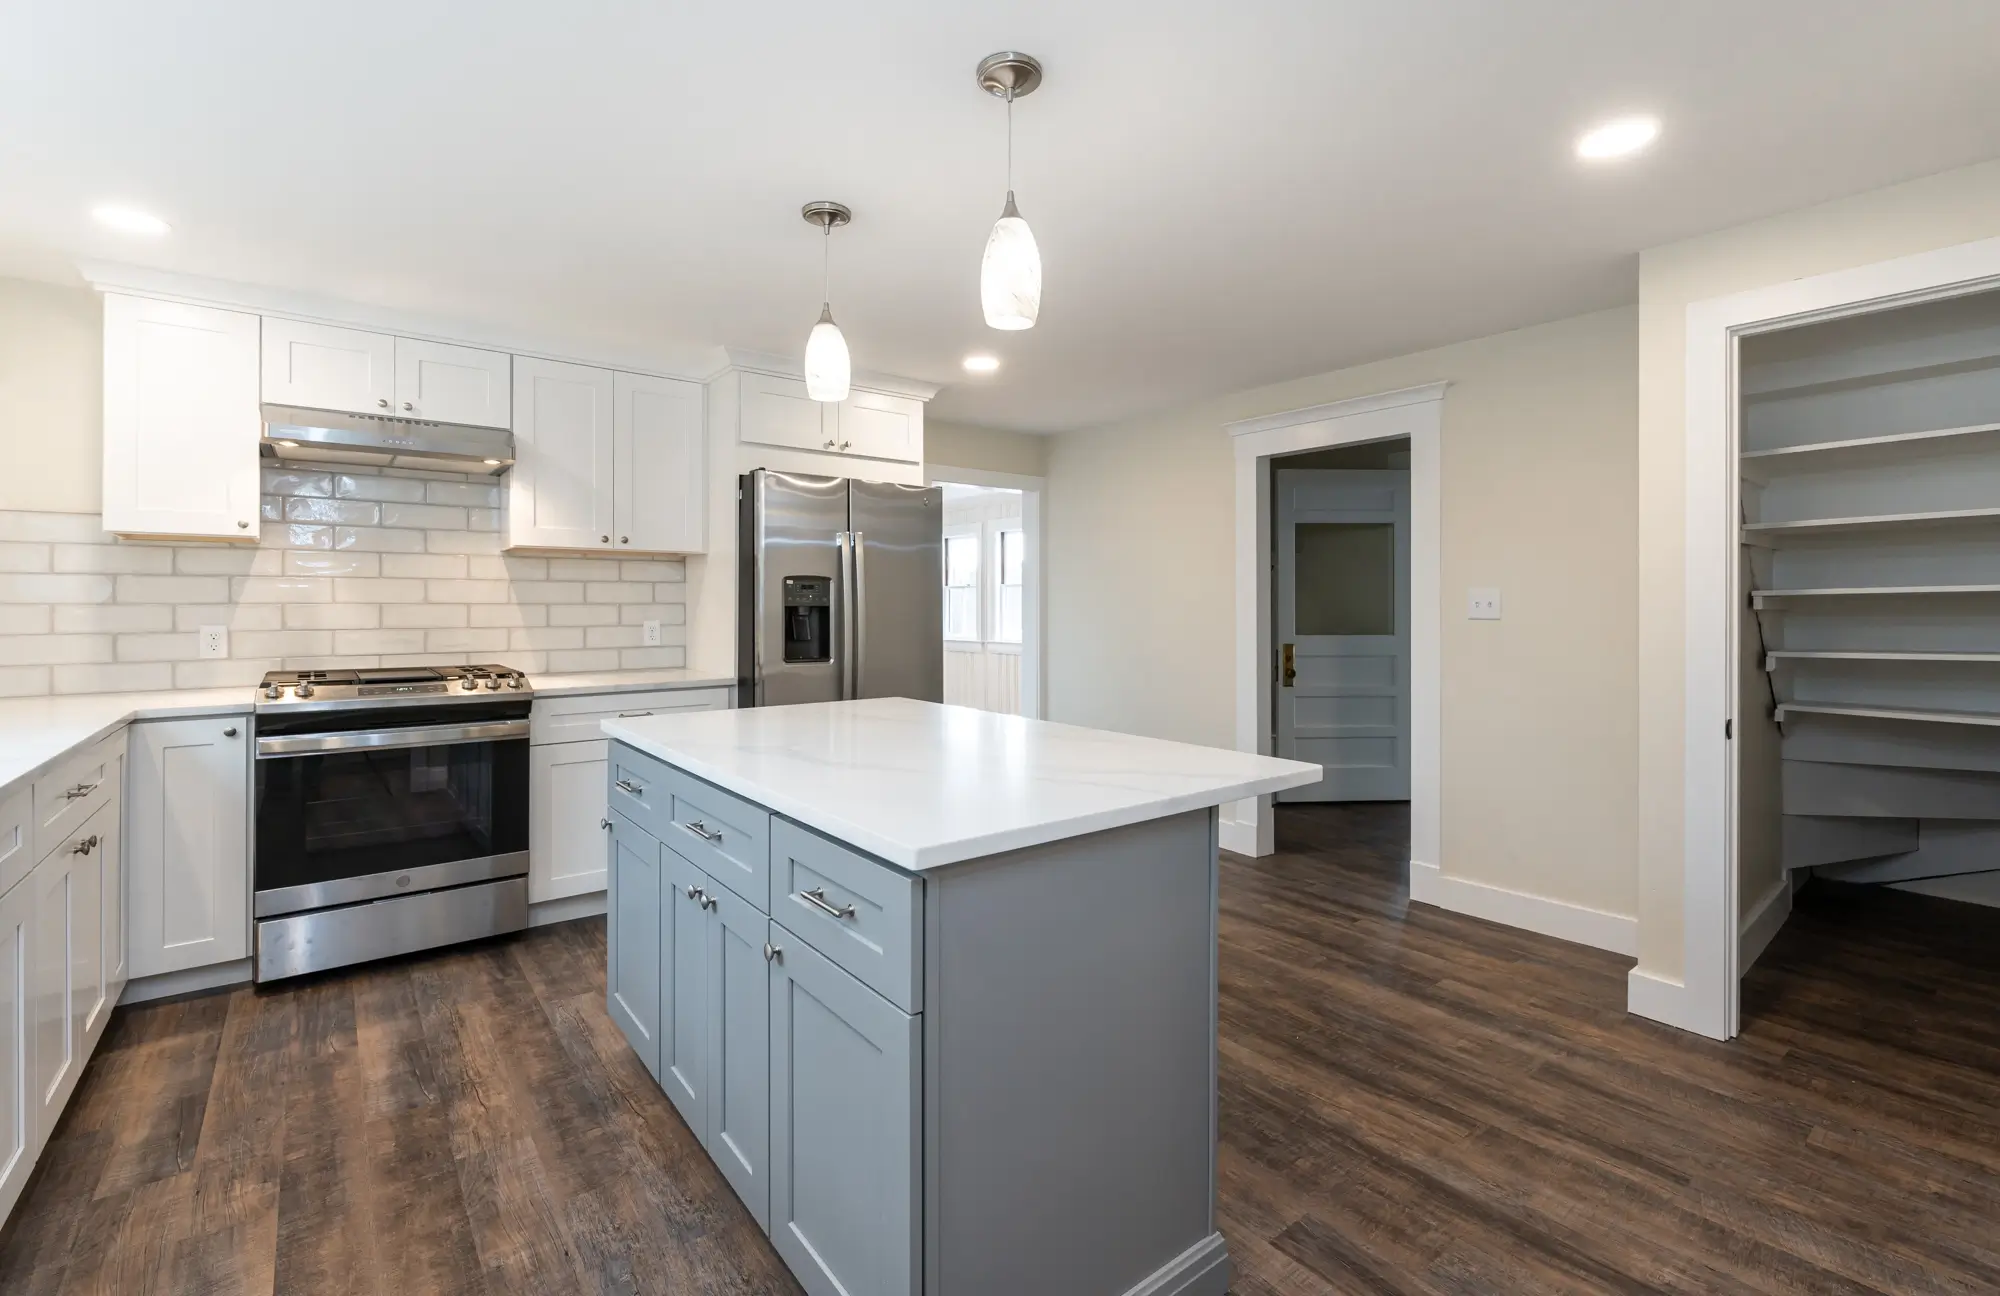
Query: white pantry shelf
[[1869, 452], [1779, 656], [1763, 599], [1770, 533], [1981, 718]]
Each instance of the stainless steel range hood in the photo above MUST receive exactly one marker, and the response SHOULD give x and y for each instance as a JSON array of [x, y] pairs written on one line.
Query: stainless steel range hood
[[332, 436]]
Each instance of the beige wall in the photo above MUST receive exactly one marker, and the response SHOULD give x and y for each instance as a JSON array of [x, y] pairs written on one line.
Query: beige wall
[[51, 397], [1938, 211], [959, 445], [1540, 485]]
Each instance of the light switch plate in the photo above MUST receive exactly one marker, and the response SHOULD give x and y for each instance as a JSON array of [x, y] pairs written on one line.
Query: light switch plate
[[1482, 605], [213, 641], [650, 634]]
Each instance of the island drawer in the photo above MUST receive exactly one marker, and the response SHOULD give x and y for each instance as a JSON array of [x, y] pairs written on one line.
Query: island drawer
[[72, 792], [640, 789], [725, 836], [864, 915]]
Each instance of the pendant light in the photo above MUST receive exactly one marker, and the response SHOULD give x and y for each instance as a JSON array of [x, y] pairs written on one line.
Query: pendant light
[[827, 365], [1010, 274]]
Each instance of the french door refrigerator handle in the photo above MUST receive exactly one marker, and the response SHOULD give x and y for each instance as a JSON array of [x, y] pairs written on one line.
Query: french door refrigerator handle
[[844, 611], [858, 546]]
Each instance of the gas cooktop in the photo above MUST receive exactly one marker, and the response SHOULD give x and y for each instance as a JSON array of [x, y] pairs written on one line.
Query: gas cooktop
[[390, 684]]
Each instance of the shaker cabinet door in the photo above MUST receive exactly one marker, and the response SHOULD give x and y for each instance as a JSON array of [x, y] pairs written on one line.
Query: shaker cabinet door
[[566, 810], [845, 1128], [684, 994], [659, 458], [739, 1049], [559, 493], [441, 383], [53, 982], [632, 934], [322, 366], [20, 1114], [187, 845]]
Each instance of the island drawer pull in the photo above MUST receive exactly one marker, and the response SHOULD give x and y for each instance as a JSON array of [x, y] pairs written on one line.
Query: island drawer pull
[[817, 899], [629, 788], [630, 715], [82, 790], [701, 829]]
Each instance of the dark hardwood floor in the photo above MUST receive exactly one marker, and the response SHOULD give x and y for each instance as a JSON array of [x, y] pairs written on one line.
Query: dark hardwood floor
[[1411, 1102]]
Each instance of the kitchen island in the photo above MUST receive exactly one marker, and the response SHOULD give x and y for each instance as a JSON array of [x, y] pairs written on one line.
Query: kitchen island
[[935, 987]]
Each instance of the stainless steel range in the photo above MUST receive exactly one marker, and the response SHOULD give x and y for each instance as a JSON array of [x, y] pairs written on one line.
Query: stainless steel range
[[391, 813]]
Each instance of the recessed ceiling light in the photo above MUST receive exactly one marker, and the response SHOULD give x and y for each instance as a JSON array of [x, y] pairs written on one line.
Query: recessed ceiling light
[[981, 363], [129, 220], [1616, 139]]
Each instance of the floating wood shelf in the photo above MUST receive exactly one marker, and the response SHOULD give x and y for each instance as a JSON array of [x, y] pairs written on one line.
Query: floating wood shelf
[[1777, 657], [1769, 533], [1762, 599], [1982, 718], [1869, 452]]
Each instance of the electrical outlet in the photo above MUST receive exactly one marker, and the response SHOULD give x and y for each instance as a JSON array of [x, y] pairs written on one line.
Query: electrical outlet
[[214, 641], [1482, 605], [650, 633]]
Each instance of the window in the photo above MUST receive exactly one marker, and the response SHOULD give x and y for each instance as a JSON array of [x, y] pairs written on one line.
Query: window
[[1012, 549], [961, 586]]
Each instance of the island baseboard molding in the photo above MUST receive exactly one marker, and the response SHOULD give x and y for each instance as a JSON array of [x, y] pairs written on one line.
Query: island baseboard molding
[[1201, 1270]]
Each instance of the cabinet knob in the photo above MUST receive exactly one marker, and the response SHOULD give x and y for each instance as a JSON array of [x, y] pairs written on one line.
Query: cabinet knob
[[831, 445], [242, 526], [772, 953], [624, 539], [230, 732], [409, 407], [604, 539], [383, 401], [605, 824], [846, 445]]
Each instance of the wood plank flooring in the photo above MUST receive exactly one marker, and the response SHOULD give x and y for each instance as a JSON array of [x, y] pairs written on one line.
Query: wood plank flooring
[[1411, 1101]]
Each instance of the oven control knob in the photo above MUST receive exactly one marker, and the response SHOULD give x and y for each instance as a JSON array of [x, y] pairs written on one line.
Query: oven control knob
[[273, 692], [469, 684], [513, 681], [304, 689], [492, 683]]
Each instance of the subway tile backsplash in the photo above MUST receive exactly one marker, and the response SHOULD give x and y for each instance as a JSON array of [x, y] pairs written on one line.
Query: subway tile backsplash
[[355, 568]]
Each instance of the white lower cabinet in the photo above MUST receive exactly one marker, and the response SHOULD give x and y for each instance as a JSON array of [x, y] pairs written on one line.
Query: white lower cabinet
[[187, 844], [20, 1113], [62, 892]]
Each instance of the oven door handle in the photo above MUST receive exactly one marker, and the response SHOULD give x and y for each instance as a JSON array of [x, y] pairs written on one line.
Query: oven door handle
[[380, 739]]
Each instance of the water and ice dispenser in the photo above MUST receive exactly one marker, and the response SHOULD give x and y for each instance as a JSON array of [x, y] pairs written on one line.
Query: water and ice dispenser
[[808, 618]]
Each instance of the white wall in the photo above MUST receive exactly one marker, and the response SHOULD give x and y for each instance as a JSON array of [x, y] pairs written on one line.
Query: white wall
[[959, 445], [51, 398], [1540, 487], [1938, 211]]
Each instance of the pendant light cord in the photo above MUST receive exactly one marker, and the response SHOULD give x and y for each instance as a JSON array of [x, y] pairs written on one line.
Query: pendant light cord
[[1010, 139], [826, 267]]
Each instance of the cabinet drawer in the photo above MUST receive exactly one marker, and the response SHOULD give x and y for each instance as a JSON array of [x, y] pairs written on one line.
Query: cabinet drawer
[[73, 791], [865, 916], [577, 719], [17, 836], [727, 837], [638, 789]]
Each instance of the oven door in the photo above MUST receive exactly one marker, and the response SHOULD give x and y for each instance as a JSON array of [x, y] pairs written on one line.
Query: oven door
[[388, 806]]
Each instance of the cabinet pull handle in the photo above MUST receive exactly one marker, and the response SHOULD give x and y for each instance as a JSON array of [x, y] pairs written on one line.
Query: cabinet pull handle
[[628, 715], [81, 790], [85, 846], [701, 830], [605, 824], [230, 732], [629, 788], [817, 899], [773, 953]]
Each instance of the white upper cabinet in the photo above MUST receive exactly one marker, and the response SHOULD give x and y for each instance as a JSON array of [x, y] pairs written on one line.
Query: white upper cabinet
[[323, 367], [560, 493], [775, 411], [453, 384], [659, 466], [180, 420], [880, 426]]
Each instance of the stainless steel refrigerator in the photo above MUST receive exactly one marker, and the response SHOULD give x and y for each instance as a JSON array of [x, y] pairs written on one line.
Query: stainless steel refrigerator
[[840, 590]]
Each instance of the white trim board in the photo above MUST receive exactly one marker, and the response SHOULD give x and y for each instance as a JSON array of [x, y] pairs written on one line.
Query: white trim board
[[1414, 412], [1034, 622], [1558, 918], [1706, 998], [1762, 924]]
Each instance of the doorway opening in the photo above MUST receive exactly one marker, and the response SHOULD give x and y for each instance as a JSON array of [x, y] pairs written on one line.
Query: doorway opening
[[992, 591]]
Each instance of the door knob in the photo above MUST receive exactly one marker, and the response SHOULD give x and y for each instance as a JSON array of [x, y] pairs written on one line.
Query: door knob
[[1290, 665]]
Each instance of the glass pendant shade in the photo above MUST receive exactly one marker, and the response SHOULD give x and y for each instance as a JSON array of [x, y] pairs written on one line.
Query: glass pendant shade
[[827, 365], [1010, 274]]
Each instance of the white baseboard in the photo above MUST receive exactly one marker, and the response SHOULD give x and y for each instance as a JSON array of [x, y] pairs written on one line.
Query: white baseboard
[[187, 981], [1762, 923], [1430, 885], [1241, 838], [568, 909], [1659, 999]]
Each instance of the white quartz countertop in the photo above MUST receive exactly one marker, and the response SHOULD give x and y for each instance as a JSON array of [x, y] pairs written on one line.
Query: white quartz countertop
[[923, 785], [35, 733]]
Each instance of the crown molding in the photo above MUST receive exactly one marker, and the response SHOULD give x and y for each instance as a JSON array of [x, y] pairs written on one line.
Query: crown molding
[[779, 366], [1339, 409]]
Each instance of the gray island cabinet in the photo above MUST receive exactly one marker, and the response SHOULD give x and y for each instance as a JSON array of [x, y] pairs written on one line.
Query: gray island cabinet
[[934, 987]]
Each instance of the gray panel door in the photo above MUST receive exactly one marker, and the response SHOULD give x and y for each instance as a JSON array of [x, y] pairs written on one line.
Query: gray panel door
[[845, 1172], [796, 520], [684, 999], [899, 584], [738, 1136], [632, 933]]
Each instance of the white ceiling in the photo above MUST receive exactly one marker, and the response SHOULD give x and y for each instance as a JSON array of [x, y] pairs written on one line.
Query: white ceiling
[[1225, 195]]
